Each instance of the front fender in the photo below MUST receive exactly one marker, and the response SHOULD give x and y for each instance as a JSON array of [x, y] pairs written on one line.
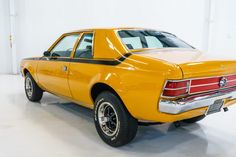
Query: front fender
[[31, 66]]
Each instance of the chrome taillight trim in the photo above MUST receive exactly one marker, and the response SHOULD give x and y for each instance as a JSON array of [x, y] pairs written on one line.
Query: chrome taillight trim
[[207, 84], [175, 88], [189, 86]]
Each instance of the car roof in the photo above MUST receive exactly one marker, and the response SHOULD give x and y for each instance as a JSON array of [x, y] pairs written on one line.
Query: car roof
[[108, 28]]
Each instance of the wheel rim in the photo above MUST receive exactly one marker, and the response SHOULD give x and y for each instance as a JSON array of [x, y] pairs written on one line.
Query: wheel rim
[[108, 119], [28, 87]]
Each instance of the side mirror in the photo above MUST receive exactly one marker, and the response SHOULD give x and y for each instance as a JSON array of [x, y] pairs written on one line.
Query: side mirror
[[46, 54]]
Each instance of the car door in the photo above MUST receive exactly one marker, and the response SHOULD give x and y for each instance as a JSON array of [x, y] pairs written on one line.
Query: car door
[[81, 72], [52, 71]]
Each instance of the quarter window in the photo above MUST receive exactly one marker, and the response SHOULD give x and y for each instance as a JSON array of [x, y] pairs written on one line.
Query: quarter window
[[65, 46], [85, 48]]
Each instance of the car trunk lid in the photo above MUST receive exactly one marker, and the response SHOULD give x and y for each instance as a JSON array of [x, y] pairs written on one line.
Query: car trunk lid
[[194, 63]]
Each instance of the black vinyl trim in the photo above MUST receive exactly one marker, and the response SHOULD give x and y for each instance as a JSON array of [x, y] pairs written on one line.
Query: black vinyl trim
[[89, 61]]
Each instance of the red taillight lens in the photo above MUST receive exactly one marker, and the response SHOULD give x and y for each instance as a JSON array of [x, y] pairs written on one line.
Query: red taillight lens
[[171, 84], [176, 88]]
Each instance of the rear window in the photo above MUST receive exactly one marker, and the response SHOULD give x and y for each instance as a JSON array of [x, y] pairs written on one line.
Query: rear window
[[141, 39]]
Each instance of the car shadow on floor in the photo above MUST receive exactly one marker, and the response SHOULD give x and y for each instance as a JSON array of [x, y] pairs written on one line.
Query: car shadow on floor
[[156, 139]]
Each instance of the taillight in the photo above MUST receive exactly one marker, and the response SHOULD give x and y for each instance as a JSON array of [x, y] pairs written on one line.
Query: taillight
[[176, 88]]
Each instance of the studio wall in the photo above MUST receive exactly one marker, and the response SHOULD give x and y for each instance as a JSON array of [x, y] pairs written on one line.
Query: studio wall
[[5, 53], [39, 23], [223, 28]]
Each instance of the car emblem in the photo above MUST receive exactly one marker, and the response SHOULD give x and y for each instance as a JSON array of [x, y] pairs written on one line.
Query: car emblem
[[223, 82], [222, 66]]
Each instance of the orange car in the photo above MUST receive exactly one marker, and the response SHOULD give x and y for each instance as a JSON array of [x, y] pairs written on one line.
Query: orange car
[[130, 76]]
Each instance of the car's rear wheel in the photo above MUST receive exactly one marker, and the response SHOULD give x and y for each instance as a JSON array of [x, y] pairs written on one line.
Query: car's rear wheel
[[194, 119], [113, 122], [32, 90]]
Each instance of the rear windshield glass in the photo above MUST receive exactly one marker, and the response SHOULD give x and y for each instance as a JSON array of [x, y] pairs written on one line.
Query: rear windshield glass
[[141, 39]]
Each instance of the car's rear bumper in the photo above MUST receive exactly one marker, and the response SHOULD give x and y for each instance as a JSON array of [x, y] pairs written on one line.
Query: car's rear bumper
[[194, 102]]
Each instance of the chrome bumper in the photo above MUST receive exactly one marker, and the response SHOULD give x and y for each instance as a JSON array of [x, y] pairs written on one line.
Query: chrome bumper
[[183, 105]]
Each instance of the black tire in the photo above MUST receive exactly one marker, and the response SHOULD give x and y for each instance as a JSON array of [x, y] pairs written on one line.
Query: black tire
[[194, 119], [126, 125], [35, 93]]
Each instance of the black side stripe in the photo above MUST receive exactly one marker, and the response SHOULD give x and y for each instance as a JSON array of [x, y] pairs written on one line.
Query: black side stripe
[[32, 58], [89, 61]]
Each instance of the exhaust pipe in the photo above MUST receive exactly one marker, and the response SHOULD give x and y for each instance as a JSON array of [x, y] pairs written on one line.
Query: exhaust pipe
[[225, 109]]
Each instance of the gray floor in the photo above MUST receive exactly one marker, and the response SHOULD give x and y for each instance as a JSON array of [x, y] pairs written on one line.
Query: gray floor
[[57, 128]]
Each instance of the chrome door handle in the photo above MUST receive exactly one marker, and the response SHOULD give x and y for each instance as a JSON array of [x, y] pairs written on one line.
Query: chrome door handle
[[64, 68]]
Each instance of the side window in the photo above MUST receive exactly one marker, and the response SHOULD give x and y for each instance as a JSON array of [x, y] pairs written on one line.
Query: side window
[[65, 46], [85, 47]]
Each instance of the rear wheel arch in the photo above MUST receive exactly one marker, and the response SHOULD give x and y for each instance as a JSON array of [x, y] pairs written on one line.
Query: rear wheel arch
[[98, 88]]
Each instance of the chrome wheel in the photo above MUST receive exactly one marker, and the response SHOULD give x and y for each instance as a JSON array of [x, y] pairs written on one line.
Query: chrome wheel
[[108, 119], [29, 87]]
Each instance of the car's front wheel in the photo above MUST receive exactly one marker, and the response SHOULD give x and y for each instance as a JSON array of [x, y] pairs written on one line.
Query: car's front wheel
[[32, 90], [113, 122]]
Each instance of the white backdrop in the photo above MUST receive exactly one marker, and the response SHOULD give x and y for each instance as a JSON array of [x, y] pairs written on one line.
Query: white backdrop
[[39, 23], [223, 28], [5, 55]]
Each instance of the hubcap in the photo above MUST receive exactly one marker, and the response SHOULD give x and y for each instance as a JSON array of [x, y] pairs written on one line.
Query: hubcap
[[28, 87], [108, 119]]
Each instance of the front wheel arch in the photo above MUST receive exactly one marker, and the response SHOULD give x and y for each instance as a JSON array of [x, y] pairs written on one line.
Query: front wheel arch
[[25, 71], [33, 92]]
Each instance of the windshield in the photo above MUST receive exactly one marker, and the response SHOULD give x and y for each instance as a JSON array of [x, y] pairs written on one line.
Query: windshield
[[139, 39]]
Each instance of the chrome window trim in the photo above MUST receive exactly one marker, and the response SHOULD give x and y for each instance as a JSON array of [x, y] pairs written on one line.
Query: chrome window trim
[[58, 42], [79, 41]]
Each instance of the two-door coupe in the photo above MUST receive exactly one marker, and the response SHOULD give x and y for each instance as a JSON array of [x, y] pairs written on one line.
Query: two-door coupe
[[130, 76]]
